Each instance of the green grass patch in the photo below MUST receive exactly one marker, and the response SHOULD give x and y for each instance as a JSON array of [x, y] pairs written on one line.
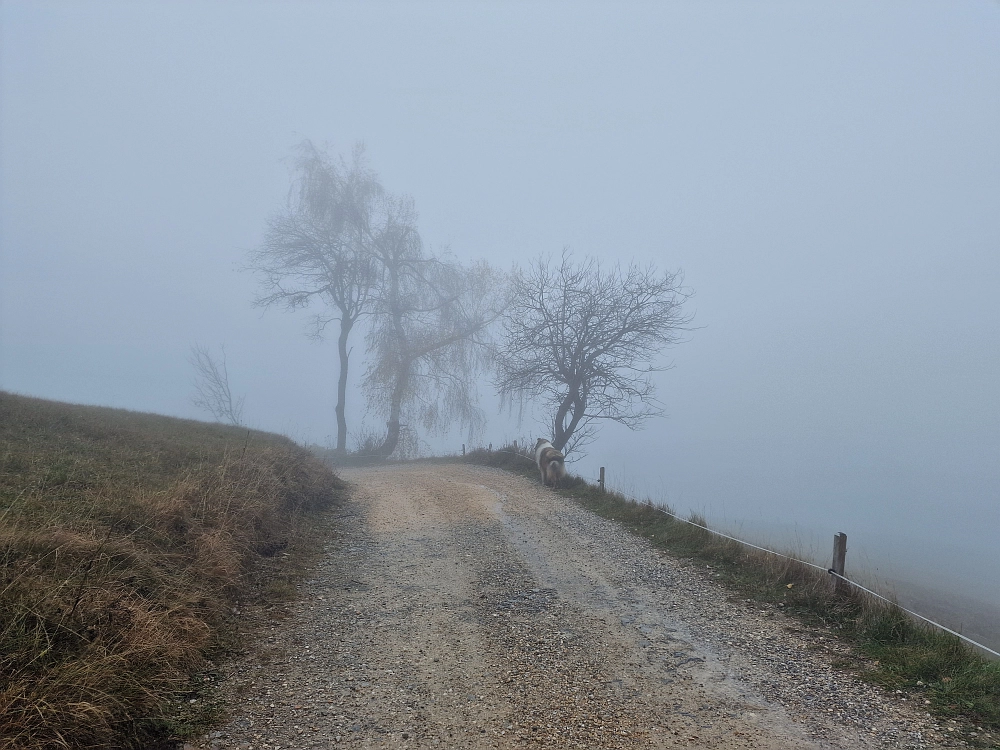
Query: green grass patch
[[125, 540], [891, 648]]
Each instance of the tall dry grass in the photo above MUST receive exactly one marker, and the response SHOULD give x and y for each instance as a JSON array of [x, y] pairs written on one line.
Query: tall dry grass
[[125, 539]]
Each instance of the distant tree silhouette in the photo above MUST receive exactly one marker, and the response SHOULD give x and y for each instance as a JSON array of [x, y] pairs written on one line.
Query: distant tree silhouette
[[583, 339], [430, 329], [318, 248], [345, 240], [211, 385]]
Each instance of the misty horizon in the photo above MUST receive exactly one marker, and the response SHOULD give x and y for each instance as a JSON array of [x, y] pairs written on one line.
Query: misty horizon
[[825, 178]]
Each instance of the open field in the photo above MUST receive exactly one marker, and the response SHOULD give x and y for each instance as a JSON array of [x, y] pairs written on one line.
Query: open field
[[126, 540]]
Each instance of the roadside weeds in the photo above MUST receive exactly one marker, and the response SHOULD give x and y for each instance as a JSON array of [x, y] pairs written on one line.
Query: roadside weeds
[[126, 542]]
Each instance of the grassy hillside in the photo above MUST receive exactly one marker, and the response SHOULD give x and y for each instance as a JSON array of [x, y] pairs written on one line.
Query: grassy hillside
[[125, 538], [890, 648]]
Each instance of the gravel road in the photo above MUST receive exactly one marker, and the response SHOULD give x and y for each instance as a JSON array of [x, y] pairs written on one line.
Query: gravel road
[[463, 607]]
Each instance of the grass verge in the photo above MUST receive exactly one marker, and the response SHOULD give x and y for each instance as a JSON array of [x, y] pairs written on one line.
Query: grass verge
[[126, 540], [892, 649]]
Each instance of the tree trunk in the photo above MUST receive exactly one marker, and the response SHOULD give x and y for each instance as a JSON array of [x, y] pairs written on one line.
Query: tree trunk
[[560, 436], [575, 406], [392, 426], [345, 329], [402, 366]]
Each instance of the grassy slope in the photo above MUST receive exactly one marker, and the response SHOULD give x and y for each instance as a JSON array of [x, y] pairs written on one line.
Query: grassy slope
[[892, 649], [124, 540]]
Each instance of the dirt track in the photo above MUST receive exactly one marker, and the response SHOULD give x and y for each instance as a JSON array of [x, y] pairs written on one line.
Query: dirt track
[[464, 607]]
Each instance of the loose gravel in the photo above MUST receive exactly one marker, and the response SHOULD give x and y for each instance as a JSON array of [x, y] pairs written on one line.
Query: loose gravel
[[464, 607]]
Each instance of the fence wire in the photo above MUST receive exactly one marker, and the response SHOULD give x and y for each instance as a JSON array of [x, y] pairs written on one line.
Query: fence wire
[[831, 571]]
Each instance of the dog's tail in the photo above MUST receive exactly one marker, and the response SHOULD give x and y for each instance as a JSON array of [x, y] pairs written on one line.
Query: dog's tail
[[556, 468], [559, 465]]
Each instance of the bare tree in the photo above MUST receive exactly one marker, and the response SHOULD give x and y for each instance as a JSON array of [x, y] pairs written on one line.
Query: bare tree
[[211, 383], [318, 248], [584, 340], [429, 336]]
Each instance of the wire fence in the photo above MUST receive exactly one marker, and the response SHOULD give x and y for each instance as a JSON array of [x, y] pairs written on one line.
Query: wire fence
[[835, 574], [830, 571]]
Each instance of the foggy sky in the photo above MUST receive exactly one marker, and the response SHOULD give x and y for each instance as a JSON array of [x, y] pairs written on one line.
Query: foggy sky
[[826, 175]]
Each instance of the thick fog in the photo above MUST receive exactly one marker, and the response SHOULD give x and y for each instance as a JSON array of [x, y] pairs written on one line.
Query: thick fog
[[826, 175]]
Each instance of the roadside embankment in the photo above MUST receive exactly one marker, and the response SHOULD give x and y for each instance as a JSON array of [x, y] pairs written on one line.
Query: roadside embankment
[[126, 539], [886, 646]]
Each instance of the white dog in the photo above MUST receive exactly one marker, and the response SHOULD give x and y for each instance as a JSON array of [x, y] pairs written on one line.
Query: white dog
[[551, 462]]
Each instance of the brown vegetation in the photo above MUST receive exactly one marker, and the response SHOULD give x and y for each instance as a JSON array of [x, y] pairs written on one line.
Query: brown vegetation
[[125, 539]]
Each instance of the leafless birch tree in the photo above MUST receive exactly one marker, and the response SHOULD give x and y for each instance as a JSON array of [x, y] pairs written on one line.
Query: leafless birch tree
[[584, 340], [318, 249], [348, 242], [430, 327]]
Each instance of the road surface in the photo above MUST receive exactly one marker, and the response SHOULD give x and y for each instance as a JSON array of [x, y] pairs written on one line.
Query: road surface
[[464, 607]]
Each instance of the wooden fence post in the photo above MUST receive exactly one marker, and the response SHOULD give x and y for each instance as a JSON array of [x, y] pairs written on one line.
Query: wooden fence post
[[839, 557], [601, 480]]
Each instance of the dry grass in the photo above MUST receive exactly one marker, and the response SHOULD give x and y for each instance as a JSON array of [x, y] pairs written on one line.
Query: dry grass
[[125, 540]]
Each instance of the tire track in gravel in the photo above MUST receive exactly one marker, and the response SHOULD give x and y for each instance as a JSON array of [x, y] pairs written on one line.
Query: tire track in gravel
[[464, 607]]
